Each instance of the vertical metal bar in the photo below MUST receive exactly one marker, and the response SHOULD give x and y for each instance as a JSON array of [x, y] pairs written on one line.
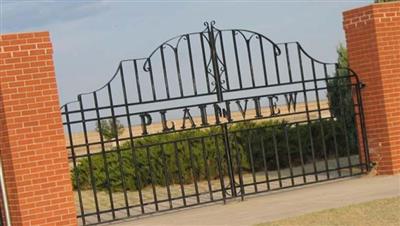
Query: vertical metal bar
[[278, 167], [219, 165], [1, 215], [153, 187], [153, 89], [336, 147], [356, 113], [250, 63], [356, 86], [320, 118], [103, 154], [164, 67], [167, 176], [191, 64], [238, 162], [4, 198], [214, 60], [237, 59], [345, 132], [288, 63], [263, 60], [289, 155], [363, 128], [278, 79], [195, 178], [178, 71], [307, 111], [178, 166], [252, 164], [92, 178], [263, 150], [205, 159], [137, 80], [134, 158], [332, 123], [326, 75], [121, 169], [301, 153], [71, 144], [205, 62], [224, 61], [228, 154]]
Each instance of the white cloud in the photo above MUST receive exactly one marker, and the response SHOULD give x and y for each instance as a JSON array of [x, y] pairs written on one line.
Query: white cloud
[[28, 15]]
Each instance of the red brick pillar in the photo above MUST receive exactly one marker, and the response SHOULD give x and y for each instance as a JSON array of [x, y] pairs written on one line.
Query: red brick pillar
[[32, 145], [373, 42]]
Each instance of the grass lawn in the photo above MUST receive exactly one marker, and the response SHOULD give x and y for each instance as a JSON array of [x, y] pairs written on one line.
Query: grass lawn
[[379, 212]]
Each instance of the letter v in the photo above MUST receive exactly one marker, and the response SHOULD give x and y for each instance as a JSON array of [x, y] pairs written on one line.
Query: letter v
[[243, 111]]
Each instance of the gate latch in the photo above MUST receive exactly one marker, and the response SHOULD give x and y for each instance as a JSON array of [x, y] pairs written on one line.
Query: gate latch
[[361, 85]]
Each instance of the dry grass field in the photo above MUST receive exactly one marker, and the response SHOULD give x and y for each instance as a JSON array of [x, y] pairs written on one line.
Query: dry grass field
[[385, 212], [93, 136]]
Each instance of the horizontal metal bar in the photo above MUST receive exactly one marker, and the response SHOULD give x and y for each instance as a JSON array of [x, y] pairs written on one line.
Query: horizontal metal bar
[[154, 213], [205, 127], [193, 105], [306, 183], [308, 174], [211, 94]]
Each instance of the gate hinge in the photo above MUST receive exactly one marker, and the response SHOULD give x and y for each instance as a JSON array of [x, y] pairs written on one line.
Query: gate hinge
[[361, 85]]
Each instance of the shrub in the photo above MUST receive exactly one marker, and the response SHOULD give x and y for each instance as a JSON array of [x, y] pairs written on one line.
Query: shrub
[[110, 128], [340, 96], [146, 162]]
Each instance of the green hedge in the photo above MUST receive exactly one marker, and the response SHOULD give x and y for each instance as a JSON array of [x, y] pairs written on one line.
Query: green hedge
[[152, 164]]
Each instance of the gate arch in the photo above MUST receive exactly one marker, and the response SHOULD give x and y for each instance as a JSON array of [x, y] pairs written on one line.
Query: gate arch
[[209, 116]]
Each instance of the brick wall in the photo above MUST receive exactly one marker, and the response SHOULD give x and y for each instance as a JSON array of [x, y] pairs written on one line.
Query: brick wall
[[373, 42], [32, 141]]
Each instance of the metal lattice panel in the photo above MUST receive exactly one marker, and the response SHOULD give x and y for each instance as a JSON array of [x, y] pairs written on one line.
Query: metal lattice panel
[[210, 116]]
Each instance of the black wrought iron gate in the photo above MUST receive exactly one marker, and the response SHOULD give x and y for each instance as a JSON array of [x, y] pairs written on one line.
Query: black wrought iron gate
[[211, 116]]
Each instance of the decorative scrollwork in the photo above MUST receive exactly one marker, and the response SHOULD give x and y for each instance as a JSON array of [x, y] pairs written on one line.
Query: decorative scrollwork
[[211, 23], [277, 50], [216, 65], [146, 65], [214, 61]]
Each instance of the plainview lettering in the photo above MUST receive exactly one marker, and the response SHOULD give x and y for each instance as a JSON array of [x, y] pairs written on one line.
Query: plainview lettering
[[221, 112]]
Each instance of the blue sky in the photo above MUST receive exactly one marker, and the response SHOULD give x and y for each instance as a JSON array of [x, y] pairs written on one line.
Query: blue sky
[[91, 37]]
